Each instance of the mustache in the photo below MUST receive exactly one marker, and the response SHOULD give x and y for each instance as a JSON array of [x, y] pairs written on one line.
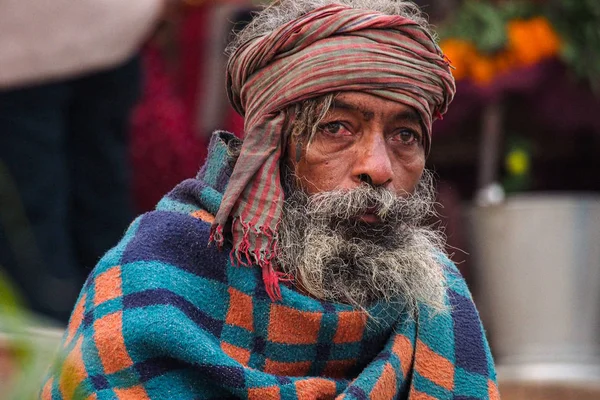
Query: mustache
[[390, 207]]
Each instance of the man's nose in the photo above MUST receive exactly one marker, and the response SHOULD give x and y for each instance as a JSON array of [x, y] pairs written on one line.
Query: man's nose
[[374, 165]]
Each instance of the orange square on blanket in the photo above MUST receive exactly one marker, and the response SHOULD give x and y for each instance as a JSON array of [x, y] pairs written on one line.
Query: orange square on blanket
[[315, 388], [237, 353], [204, 216], [108, 285], [240, 310], [76, 320], [73, 371], [108, 335], [133, 393], [290, 326], [351, 325], [403, 348], [287, 368], [47, 390], [268, 393], [493, 392], [434, 367], [385, 387]]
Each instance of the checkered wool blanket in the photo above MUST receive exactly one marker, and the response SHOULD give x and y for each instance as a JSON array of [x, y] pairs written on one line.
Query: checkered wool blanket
[[164, 316]]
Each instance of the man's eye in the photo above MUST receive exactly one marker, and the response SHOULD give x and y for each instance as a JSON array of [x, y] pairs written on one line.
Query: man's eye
[[407, 136], [334, 128]]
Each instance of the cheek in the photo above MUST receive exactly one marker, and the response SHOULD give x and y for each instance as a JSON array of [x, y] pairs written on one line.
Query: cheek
[[407, 174], [319, 172]]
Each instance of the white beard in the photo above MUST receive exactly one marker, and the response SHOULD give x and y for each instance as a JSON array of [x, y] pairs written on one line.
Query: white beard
[[334, 256]]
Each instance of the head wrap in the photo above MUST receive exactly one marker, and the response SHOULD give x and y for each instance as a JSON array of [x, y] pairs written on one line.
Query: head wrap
[[330, 49]]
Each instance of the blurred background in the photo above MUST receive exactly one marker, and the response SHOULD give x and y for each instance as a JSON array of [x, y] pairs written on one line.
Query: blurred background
[[106, 105]]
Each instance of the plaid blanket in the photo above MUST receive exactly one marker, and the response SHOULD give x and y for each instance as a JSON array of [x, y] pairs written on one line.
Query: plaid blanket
[[164, 316]]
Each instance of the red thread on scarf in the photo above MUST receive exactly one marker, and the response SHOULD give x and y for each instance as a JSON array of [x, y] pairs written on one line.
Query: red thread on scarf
[[216, 236], [270, 276], [263, 258], [271, 280], [448, 61], [284, 277]]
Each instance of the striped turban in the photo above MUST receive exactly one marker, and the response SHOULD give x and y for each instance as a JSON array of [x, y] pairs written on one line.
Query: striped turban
[[330, 49]]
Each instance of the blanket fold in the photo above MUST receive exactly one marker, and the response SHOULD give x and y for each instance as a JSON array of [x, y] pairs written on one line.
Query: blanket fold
[[164, 316]]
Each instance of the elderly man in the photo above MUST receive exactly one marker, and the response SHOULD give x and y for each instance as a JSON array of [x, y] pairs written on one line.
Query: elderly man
[[298, 264]]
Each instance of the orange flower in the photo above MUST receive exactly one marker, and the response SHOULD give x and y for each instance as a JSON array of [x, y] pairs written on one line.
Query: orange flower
[[483, 69], [547, 38], [460, 53], [520, 42], [531, 41]]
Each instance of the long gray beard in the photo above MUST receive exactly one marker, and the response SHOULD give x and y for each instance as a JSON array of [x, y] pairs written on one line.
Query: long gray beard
[[335, 256]]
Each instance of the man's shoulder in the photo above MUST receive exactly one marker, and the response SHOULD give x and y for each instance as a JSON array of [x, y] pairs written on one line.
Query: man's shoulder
[[168, 235], [162, 280], [171, 241], [454, 279]]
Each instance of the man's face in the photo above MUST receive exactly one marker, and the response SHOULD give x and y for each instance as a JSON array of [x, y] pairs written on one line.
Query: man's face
[[363, 138], [354, 226]]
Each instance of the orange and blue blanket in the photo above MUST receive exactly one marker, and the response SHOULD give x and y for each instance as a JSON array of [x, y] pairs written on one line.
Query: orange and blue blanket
[[164, 316]]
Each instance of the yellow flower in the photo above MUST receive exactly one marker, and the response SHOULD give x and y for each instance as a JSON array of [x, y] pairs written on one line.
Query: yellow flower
[[517, 162]]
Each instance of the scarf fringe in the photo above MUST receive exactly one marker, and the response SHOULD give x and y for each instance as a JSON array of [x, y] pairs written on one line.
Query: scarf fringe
[[243, 254]]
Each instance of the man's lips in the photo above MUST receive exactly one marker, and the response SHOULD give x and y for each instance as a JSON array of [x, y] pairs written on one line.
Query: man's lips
[[370, 216]]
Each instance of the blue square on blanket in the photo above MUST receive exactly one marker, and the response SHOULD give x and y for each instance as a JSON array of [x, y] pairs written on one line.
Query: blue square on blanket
[[468, 335], [179, 240]]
